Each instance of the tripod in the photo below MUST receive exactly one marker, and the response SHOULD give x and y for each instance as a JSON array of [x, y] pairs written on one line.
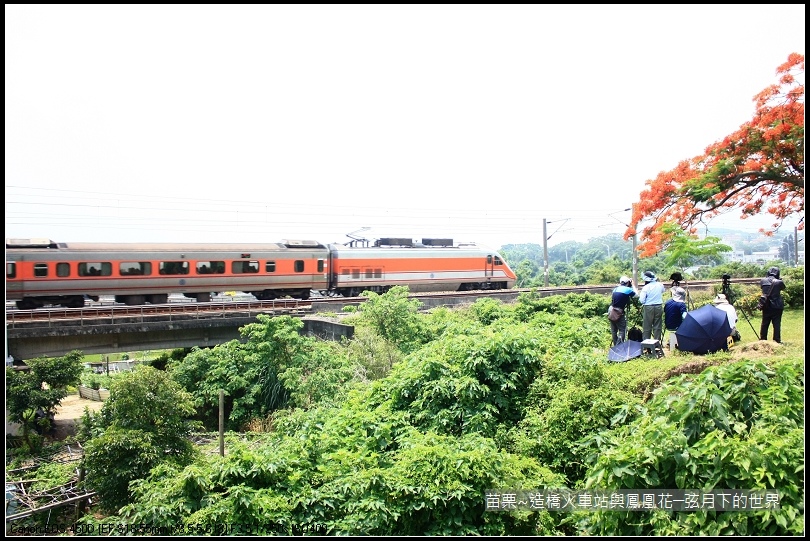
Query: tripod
[[726, 290]]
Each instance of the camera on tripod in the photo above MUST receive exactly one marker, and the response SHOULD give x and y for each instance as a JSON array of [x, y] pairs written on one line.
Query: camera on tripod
[[726, 288], [676, 278]]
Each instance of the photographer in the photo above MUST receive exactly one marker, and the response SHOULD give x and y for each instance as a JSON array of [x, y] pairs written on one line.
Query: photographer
[[620, 299], [652, 307], [772, 287], [721, 302]]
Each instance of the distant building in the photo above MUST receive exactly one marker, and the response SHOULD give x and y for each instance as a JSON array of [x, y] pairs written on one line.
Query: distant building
[[756, 257]]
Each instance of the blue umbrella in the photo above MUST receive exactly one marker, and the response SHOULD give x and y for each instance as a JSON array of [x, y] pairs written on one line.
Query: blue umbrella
[[624, 351], [704, 330]]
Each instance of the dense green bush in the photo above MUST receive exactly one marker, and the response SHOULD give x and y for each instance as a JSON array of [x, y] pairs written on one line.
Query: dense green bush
[[573, 400], [143, 423], [346, 471], [489, 397], [739, 425], [32, 395], [394, 317], [579, 305], [275, 368]]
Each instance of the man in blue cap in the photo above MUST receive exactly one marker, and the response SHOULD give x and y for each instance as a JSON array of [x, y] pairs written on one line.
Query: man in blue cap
[[652, 307]]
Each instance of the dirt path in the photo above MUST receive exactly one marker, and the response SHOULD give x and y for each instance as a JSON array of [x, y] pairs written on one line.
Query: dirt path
[[68, 414]]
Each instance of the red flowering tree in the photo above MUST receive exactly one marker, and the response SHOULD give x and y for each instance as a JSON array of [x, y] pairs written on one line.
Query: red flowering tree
[[757, 169]]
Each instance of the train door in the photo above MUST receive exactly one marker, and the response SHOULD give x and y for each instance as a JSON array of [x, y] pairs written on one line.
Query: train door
[[489, 269]]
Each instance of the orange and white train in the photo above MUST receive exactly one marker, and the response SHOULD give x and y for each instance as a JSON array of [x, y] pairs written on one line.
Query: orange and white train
[[41, 272]]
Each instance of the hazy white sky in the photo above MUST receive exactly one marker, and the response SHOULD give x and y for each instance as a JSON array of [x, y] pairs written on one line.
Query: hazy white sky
[[259, 123]]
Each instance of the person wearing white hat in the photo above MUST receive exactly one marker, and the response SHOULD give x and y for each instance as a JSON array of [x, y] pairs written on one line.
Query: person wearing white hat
[[721, 302], [620, 298]]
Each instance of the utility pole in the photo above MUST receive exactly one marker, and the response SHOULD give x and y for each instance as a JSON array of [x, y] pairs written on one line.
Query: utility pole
[[546, 236], [635, 243], [635, 261]]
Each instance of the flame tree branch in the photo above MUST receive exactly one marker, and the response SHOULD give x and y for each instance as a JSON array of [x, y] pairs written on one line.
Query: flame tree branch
[[758, 169]]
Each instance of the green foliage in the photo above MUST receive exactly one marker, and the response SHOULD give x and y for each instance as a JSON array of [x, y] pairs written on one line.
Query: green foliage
[[443, 321], [165, 358], [466, 384], [528, 274], [114, 459], [684, 250], [574, 400], [353, 470], [578, 305], [91, 379], [487, 310], [310, 370], [275, 368], [40, 390], [394, 317], [739, 425], [794, 286], [144, 422], [375, 354], [492, 396]]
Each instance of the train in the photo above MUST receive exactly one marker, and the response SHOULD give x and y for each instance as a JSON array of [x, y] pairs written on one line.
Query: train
[[42, 272]]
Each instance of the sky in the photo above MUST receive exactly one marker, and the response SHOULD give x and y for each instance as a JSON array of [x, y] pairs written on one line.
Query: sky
[[243, 123]]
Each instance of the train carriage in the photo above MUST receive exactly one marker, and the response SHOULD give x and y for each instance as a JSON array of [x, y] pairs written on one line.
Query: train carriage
[[40, 272], [432, 265]]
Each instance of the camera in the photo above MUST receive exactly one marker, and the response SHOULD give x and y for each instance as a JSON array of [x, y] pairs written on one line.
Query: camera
[[726, 277]]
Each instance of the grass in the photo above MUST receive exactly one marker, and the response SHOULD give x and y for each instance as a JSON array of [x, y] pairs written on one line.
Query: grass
[[139, 356]]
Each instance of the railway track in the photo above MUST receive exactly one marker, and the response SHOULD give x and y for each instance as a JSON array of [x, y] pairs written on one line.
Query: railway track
[[111, 312]]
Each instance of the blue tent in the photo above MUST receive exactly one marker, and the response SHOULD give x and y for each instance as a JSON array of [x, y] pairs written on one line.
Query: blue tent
[[705, 330]]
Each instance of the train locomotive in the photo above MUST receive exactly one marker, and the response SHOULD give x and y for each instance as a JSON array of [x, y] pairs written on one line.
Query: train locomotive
[[42, 272]]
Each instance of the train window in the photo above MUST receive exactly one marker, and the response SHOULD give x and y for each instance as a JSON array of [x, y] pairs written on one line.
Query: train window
[[299, 265], [173, 267], [489, 260], [320, 265], [344, 272], [369, 273], [498, 261], [40, 270], [62, 269], [355, 273], [11, 269], [135, 268], [269, 266], [210, 267], [245, 267], [95, 269], [377, 273]]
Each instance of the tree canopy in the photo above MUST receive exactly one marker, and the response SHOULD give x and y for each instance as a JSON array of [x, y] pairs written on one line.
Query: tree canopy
[[757, 169]]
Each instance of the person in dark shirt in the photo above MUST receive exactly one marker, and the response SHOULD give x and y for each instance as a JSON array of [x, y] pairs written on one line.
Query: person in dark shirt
[[772, 286], [620, 298]]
